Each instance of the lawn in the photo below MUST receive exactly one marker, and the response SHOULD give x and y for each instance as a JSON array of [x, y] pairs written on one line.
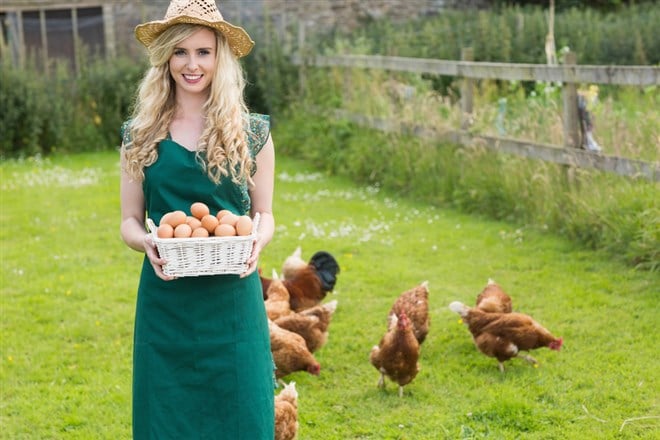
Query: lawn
[[68, 292]]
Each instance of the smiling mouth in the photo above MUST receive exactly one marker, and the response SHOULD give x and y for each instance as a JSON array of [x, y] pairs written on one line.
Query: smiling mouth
[[192, 78]]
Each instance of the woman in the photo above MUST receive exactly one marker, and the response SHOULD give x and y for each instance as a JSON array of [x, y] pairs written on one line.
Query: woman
[[202, 366]]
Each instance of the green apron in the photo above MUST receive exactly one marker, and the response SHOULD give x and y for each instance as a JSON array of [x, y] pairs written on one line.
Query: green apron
[[202, 365]]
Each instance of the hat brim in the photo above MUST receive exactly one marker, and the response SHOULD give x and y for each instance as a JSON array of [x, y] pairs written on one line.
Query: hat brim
[[239, 40]]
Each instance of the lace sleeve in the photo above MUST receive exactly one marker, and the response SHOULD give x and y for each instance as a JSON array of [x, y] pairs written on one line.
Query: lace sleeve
[[258, 132], [125, 132]]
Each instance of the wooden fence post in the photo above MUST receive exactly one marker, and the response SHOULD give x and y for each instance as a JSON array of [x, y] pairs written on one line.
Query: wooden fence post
[[10, 46], [571, 117], [302, 50], [467, 86], [109, 12], [76, 41], [21, 39], [44, 39]]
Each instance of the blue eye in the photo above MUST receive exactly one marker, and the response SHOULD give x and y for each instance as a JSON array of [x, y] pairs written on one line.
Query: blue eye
[[204, 52], [179, 52]]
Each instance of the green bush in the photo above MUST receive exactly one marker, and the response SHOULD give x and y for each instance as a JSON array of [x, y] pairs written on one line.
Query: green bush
[[29, 126], [106, 93], [61, 111]]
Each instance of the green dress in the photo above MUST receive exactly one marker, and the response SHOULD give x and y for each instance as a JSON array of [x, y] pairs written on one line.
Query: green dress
[[202, 365]]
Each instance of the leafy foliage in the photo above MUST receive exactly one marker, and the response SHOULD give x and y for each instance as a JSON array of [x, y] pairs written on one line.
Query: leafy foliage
[[62, 111], [564, 4], [517, 34]]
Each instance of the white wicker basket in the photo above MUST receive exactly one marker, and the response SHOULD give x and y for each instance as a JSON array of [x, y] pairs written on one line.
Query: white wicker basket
[[196, 256]]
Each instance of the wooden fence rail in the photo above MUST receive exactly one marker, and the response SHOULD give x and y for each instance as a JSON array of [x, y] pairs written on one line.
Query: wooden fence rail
[[616, 75], [570, 74], [546, 152]]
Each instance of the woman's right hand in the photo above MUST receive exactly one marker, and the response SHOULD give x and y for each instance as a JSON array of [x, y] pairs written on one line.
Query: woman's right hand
[[154, 258]]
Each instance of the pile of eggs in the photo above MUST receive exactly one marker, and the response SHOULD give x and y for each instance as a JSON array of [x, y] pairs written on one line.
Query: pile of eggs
[[177, 224]]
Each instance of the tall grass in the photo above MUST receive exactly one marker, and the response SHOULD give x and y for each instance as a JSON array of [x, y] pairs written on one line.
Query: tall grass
[[626, 119], [617, 215]]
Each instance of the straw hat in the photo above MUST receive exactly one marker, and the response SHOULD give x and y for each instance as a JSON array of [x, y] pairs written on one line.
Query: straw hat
[[203, 12]]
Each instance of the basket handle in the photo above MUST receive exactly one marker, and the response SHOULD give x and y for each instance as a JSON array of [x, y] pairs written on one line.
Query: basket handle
[[151, 226], [255, 224]]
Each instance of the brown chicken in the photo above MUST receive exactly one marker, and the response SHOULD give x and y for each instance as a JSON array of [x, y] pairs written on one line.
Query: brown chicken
[[286, 413], [277, 301], [308, 285], [415, 302], [290, 352], [493, 299], [504, 335], [397, 353], [312, 324]]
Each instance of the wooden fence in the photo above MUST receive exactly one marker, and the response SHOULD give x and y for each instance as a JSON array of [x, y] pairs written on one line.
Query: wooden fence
[[569, 73]]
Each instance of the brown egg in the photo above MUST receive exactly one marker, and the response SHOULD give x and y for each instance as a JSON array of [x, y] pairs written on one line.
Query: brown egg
[[193, 222], [166, 218], [200, 232], [176, 218], [244, 225], [165, 231], [224, 230], [222, 213], [229, 219], [199, 210], [182, 231], [209, 222]]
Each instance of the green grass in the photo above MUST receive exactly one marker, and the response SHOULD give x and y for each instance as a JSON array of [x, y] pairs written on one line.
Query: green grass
[[68, 291]]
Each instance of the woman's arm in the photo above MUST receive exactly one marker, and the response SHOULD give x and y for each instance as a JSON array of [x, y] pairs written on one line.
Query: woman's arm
[[261, 195], [132, 227]]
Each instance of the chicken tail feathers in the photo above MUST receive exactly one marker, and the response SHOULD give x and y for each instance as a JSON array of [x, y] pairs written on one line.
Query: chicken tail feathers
[[289, 391], [327, 269], [331, 306], [459, 307]]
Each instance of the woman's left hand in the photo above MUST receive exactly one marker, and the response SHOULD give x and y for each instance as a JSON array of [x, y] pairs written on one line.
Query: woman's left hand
[[253, 261]]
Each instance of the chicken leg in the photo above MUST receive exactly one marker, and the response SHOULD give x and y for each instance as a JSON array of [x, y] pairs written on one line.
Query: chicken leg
[[381, 380], [529, 359]]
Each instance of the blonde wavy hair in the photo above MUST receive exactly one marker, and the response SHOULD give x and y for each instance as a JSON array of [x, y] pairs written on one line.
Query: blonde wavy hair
[[224, 139]]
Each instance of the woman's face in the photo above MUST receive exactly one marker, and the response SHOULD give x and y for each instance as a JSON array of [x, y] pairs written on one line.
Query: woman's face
[[192, 64]]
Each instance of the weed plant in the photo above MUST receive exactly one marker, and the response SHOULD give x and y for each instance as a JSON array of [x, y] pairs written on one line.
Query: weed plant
[[67, 296]]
